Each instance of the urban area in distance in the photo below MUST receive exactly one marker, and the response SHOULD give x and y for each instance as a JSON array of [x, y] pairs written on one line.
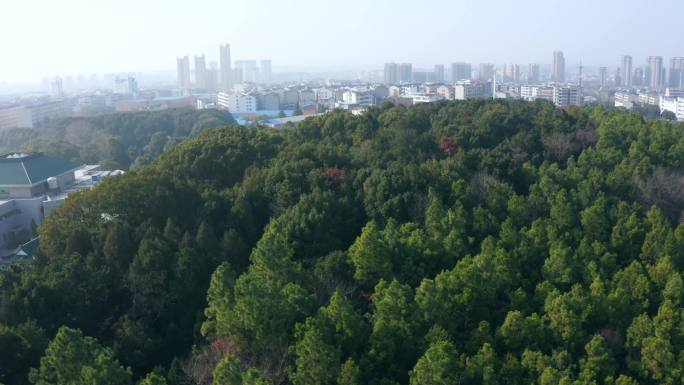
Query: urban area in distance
[[347, 192]]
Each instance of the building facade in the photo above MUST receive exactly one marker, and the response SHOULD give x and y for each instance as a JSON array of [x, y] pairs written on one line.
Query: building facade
[[558, 67], [359, 96], [200, 72], [391, 73], [226, 71], [31, 186], [237, 102], [511, 73], [32, 116], [655, 72], [676, 74], [266, 71], [603, 76], [183, 71], [535, 92], [438, 74], [472, 90], [626, 71], [565, 96], [405, 73], [461, 71], [487, 72], [533, 75]]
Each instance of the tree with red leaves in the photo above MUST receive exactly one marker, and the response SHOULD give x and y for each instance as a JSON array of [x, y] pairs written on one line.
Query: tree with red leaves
[[333, 174], [449, 145]]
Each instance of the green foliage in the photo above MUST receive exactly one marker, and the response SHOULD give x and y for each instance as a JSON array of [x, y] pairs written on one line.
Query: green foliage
[[115, 140], [71, 358], [153, 379], [297, 110], [533, 246], [439, 365], [229, 372]]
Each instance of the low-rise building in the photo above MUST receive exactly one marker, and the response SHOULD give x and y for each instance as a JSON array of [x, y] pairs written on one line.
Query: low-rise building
[[625, 99], [381, 93], [32, 115], [31, 186], [472, 90], [309, 108], [674, 105], [565, 96], [650, 98], [425, 98], [289, 97], [156, 104], [359, 96], [674, 92], [269, 101], [307, 96], [535, 92], [237, 102], [324, 94], [447, 92]]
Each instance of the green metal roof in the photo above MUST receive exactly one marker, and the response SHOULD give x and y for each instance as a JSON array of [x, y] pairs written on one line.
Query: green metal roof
[[31, 168], [30, 247], [25, 253]]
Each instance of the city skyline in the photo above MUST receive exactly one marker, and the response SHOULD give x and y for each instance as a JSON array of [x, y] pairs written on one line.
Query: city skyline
[[305, 46]]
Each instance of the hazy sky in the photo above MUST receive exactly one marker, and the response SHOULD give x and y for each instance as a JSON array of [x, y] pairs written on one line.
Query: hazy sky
[[49, 37]]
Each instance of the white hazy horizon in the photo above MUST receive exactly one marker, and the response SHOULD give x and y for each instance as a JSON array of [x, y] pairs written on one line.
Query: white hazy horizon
[[47, 38]]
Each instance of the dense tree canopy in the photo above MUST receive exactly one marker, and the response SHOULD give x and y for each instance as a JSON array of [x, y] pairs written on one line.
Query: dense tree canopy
[[117, 140], [477, 242]]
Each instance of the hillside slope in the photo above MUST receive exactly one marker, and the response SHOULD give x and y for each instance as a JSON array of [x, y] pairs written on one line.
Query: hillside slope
[[478, 242], [116, 140]]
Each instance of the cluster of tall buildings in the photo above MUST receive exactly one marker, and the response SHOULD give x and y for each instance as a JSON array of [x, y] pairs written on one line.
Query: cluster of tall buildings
[[397, 73], [403, 73], [650, 85], [213, 76], [652, 75], [484, 81]]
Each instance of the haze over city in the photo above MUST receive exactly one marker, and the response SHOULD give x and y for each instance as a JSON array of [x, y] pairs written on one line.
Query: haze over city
[[347, 192], [48, 38]]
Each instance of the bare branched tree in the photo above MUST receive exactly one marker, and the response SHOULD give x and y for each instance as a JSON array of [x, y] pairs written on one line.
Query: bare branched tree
[[664, 189]]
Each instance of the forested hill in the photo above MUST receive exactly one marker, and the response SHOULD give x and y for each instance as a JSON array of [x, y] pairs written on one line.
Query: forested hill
[[118, 140], [478, 242]]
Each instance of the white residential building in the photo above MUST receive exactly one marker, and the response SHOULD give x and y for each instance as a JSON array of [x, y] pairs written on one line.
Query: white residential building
[[324, 94], [625, 99], [424, 98], [237, 102], [674, 105], [360, 96], [447, 92], [566, 96], [651, 98], [674, 92], [532, 93], [473, 90]]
